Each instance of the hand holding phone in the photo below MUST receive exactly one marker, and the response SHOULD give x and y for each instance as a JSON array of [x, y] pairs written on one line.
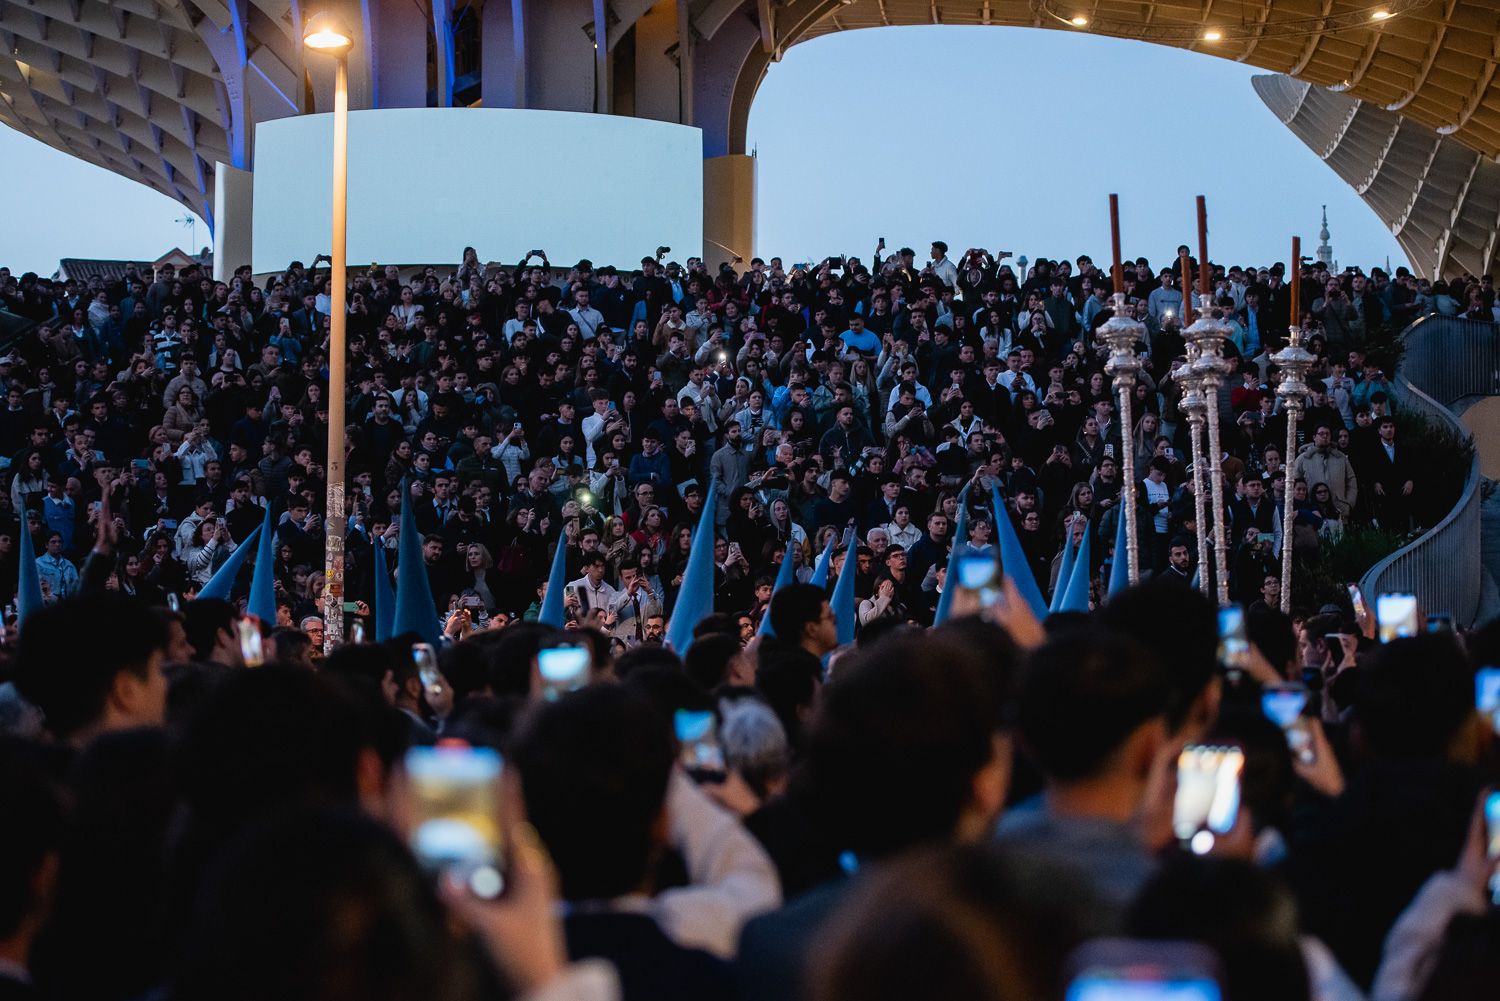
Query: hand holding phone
[[562, 669], [1207, 803], [700, 753], [455, 806]]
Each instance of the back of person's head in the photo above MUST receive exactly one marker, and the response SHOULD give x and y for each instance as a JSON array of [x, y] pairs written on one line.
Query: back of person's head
[[1414, 697], [896, 742], [594, 766], [71, 653], [795, 607], [1270, 631], [707, 660], [755, 744], [32, 833], [787, 677], [714, 622], [1181, 628], [1240, 911], [953, 922], [511, 656], [339, 903], [203, 620], [646, 657], [1083, 694], [269, 739], [1268, 782]]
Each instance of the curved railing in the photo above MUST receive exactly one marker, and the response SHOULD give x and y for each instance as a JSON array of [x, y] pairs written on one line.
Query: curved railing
[[1444, 360]]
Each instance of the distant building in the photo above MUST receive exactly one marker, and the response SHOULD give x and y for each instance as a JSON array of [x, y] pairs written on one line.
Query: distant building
[[81, 269]]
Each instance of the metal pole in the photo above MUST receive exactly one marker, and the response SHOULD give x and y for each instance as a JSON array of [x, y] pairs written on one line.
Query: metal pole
[[333, 590], [1120, 334], [1216, 471], [1287, 514], [1191, 404]]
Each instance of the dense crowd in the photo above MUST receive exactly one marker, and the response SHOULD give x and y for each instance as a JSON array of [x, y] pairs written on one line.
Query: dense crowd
[[523, 405], [200, 805]]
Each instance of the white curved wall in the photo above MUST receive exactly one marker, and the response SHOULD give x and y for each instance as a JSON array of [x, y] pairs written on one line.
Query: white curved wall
[[426, 182]]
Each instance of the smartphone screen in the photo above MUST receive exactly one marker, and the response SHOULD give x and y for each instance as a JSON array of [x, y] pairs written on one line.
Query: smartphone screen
[[1283, 705], [1396, 614], [701, 754], [1139, 970], [563, 669], [1358, 600], [1234, 641], [1492, 842], [455, 798], [1440, 624], [1487, 694], [425, 658], [1208, 794], [251, 650]]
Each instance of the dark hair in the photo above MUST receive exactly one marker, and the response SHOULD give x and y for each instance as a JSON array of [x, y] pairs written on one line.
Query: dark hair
[[1181, 628], [202, 620], [33, 829], [1083, 693], [595, 766], [794, 607], [70, 652], [946, 923], [708, 659], [1414, 697], [896, 741], [1243, 913]]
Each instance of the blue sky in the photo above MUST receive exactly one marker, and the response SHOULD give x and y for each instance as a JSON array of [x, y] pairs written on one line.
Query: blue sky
[[1006, 138]]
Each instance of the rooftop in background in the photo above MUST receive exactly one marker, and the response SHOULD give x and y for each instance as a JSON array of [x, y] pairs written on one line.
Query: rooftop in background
[[81, 269]]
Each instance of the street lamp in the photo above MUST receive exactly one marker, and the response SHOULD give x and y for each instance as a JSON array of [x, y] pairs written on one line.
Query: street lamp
[[324, 33]]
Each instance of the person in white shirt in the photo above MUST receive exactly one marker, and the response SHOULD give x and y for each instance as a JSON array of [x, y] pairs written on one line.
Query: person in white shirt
[[590, 593], [1016, 378], [588, 318], [701, 392], [941, 266], [900, 528]]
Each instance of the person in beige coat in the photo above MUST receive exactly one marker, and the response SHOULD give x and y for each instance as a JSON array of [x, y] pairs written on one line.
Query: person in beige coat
[[1319, 462]]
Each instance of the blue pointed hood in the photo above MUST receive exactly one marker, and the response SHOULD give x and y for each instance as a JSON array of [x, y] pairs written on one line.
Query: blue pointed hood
[[553, 612], [221, 584], [1064, 572], [1119, 571], [1013, 558], [960, 545], [262, 602], [819, 576], [28, 584], [695, 600], [845, 612], [785, 574], [385, 598], [1076, 597], [415, 612]]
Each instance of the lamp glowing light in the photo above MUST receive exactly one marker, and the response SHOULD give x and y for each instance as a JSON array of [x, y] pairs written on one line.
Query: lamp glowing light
[[1079, 21], [1213, 35], [326, 34]]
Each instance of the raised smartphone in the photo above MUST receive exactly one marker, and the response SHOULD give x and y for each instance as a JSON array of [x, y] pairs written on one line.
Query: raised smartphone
[[455, 796], [1208, 794]]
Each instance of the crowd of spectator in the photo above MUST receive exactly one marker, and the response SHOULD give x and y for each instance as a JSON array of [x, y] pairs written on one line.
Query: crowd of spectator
[[526, 404], [199, 805]]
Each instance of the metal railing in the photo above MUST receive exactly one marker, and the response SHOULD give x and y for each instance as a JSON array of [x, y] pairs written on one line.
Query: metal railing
[[1445, 359]]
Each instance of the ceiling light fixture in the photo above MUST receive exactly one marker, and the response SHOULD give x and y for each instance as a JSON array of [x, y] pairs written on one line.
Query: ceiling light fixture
[[1358, 15]]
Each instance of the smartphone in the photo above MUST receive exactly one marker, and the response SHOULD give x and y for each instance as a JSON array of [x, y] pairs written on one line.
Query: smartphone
[[425, 658], [563, 669], [351, 608], [1487, 694], [251, 650], [700, 753], [174, 602], [1283, 705], [1208, 794], [1357, 599], [1234, 642], [979, 574], [1139, 970], [1492, 842], [1396, 615], [356, 632], [455, 798]]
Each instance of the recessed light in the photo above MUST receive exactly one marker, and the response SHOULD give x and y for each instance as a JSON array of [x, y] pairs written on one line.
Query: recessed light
[[1213, 35], [1380, 15], [1079, 21]]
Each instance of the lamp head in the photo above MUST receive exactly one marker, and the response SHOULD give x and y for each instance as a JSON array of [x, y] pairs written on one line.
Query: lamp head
[[325, 33]]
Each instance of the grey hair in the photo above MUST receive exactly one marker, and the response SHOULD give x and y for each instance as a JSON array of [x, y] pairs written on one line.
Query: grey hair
[[755, 743]]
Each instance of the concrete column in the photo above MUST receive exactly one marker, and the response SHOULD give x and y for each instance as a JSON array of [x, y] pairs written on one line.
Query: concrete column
[[234, 193], [717, 63], [401, 56], [497, 49], [657, 91], [728, 209], [559, 55]]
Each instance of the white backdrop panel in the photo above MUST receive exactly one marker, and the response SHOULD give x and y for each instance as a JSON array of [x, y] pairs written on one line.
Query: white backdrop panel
[[426, 182]]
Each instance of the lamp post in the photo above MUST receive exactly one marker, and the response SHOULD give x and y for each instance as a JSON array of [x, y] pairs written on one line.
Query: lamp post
[[1193, 405], [1293, 360], [325, 34], [1208, 334], [1120, 333]]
